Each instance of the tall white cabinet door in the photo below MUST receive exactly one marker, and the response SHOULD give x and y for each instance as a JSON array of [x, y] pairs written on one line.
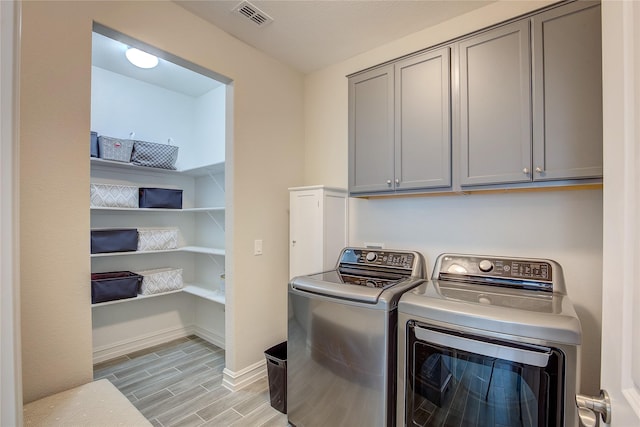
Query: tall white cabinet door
[[317, 228], [495, 106], [567, 92], [423, 121]]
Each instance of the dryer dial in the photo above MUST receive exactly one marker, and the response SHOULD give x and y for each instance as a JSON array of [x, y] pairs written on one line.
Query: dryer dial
[[485, 265]]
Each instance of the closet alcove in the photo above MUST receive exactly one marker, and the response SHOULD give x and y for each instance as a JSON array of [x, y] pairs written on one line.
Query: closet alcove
[[181, 104]]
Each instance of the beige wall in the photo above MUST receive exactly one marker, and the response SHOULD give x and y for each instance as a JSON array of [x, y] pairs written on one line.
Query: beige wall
[[563, 225], [54, 178]]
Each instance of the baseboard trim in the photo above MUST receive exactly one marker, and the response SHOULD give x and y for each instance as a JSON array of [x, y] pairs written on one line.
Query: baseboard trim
[[210, 336], [111, 351], [235, 381]]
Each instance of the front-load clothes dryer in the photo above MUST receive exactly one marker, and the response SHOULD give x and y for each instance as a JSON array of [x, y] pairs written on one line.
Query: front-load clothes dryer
[[488, 341]]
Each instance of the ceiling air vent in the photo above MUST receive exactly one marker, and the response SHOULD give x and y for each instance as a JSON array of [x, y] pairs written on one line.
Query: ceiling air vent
[[252, 13]]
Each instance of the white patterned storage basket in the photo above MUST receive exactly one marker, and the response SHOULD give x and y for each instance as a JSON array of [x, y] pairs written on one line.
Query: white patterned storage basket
[[115, 148], [160, 280], [157, 239], [113, 196]]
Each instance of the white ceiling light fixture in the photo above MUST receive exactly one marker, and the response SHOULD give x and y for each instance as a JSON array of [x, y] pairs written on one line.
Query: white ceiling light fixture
[[141, 59]]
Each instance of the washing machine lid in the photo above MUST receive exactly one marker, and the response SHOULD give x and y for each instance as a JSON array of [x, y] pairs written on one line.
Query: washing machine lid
[[366, 275], [544, 316], [334, 284]]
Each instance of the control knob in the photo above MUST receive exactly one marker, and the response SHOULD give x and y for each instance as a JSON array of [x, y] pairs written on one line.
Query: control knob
[[485, 265], [371, 256]]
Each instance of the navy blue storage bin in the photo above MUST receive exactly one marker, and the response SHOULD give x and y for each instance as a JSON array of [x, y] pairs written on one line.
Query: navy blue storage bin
[[166, 198], [114, 286], [114, 240], [94, 144]]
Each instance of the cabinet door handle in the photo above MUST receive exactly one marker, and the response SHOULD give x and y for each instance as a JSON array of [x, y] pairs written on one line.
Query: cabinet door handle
[[388, 182], [397, 181], [539, 170], [525, 171]]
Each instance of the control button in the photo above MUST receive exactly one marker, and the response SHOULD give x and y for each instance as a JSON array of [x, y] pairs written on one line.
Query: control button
[[485, 265], [370, 284], [371, 256]]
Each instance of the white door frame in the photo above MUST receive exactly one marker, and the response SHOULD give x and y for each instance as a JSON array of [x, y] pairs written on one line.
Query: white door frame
[[621, 200], [10, 354]]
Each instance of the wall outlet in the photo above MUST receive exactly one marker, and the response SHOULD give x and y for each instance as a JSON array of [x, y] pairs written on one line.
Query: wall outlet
[[257, 247]]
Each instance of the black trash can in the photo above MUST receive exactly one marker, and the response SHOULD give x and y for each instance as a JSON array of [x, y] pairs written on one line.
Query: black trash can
[[277, 373]]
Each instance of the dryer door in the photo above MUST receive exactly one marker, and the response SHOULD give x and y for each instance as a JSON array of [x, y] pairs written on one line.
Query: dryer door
[[476, 381]]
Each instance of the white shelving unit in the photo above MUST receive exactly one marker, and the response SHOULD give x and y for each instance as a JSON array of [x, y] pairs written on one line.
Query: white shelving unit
[[199, 307], [199, 187]]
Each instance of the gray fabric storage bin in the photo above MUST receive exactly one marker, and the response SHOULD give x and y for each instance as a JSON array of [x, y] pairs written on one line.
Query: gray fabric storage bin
[[154, 155], [114, 240], [115, 148], [166, 198], [94, 144], [114, 286]]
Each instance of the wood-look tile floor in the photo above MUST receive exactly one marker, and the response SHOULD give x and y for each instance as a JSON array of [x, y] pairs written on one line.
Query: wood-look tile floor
[[179, 383]]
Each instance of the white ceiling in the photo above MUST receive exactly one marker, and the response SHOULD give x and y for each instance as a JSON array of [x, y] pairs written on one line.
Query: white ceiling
[[306, 34], [312, 34], [108, 54]]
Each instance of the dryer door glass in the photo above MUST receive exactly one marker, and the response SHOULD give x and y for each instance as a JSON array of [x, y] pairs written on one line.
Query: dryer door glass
[[465, 380]]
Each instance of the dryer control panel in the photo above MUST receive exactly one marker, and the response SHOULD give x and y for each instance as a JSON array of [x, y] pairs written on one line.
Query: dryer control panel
[[526, 273]]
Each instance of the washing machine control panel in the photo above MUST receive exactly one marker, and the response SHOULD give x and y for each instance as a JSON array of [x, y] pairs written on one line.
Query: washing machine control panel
[[379, 257]]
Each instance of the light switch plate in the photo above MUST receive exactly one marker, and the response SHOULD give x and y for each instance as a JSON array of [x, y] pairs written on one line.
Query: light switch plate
[[257, 247]]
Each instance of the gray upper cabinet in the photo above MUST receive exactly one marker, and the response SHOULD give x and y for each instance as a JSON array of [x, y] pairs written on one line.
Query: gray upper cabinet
[[423, 121], [371, 146], [567, 92], [400, 125], [514, 106], [495, 106]]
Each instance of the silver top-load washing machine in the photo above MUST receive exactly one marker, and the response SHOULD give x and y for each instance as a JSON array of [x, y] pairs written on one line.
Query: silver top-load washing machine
[[488, 341], [341, 346]]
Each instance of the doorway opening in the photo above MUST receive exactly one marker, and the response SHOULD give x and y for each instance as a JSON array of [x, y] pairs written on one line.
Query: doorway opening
[[181, 107]]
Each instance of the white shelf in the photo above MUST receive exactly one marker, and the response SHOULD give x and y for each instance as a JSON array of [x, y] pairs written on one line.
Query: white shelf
[[191, 249], [192, 289], [130, 167], [208, 294], [108, 254], [128, 210], [138, 298], [203, 250], [210, 209]]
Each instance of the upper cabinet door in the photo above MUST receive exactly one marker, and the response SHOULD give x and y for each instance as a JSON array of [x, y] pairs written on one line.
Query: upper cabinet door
[[423, 121], [567, 95], [495, 104], [371, 131]]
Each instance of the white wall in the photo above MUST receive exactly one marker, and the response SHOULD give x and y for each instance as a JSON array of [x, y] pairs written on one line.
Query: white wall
[[562, 225], [55, 121], [121, 105], [209, 128], [565, 226]]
